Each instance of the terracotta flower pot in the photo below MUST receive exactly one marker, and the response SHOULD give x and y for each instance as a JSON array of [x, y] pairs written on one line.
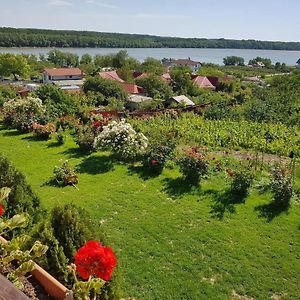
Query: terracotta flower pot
[[53, 287]]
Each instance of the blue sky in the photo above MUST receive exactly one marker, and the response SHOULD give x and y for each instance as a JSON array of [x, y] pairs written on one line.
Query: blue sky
[[248, 19]]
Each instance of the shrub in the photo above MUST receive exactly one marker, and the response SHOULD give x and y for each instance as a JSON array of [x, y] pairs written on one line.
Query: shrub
[[281, 186], [43, 132], [86, 134], [65, 174], [193, 165], [122, 140], [54, 261], [21, 198], [72, 228], [23, 113], [159, 153], [58, 102], [67, 122], [241, 182], [60, 137]]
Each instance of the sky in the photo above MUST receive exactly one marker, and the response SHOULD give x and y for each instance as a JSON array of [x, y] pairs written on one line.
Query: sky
[[275, 20]]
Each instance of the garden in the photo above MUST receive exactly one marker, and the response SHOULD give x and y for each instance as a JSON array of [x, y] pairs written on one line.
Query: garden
[[166, 204], [185, 222]]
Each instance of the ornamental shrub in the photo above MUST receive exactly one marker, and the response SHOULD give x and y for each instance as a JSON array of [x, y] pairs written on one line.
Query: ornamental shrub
[[86, 134], [158, 153], [21, 198], [122, 140], [281, 186], [65, 174], [43, 132], [54, 261], [193, 165], [241, 182], [72, 227], [22, 113]]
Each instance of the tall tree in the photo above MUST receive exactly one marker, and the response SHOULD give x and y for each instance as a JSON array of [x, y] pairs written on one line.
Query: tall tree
[[13, 64]]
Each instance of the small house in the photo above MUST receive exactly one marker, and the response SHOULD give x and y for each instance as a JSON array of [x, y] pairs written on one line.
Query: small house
[[181, 100], [203, 82], [137, 101], [193, 65], [57, 75], [298, 64]]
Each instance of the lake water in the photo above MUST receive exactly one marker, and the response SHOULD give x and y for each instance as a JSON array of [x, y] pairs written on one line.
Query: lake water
[[203, 55]]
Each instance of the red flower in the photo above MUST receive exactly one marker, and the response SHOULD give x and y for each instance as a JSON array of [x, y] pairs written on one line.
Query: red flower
[[95, 259], [1, 209], [153, 162]]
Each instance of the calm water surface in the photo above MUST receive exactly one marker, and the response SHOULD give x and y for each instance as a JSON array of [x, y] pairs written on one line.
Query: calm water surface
[[203, 55]]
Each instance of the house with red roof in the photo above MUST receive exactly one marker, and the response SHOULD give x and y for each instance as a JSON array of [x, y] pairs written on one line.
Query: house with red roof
[[166, 77], [194, 65], [52, 75], [131, 88], [203, 82], [112, 75]]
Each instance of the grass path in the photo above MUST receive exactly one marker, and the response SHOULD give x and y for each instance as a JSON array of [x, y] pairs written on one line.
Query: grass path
[[168, 241]]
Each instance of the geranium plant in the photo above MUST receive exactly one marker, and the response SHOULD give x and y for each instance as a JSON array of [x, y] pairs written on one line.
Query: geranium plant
[[15, 262], [95, 264]]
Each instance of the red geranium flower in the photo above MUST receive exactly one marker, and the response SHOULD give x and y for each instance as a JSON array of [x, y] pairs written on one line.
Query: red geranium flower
[[1, 209], [95, 259]]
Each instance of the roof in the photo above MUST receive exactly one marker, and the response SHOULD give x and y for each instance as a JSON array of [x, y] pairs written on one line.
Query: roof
[[298, 61], [132, 88], [203, 82], [183, 99], [138, 74], [64, 71], [182, 62], [138, 98], [166, 77], [112, 75]]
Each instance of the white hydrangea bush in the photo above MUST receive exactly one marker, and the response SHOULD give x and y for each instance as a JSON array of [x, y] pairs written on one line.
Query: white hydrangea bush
[[122, 140]]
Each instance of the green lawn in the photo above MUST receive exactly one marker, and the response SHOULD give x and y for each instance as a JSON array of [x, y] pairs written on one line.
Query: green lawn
[[168, 240]]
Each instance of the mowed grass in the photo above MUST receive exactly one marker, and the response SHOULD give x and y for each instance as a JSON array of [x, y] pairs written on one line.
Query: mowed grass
[[168, 240]]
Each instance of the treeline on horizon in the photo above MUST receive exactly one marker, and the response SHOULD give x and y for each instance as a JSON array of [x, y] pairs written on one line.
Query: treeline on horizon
[[23, 37]]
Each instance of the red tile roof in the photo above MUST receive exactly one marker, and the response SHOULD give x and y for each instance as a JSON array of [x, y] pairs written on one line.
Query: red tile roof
[[138, 74], [64, 72], [112, 75], [166, 77], [132, 88], [203, 82]]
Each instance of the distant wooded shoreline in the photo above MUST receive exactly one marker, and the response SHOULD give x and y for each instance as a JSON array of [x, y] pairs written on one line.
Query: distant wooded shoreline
[[23, 37]]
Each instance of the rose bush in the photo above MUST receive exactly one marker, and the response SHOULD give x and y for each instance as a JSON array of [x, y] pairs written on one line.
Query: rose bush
[[22, 113], [43, 131], [193, 165], [122, 140]]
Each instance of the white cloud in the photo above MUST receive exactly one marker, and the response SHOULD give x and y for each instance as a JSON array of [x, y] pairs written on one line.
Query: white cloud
[[102, 4], [59, 3]]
